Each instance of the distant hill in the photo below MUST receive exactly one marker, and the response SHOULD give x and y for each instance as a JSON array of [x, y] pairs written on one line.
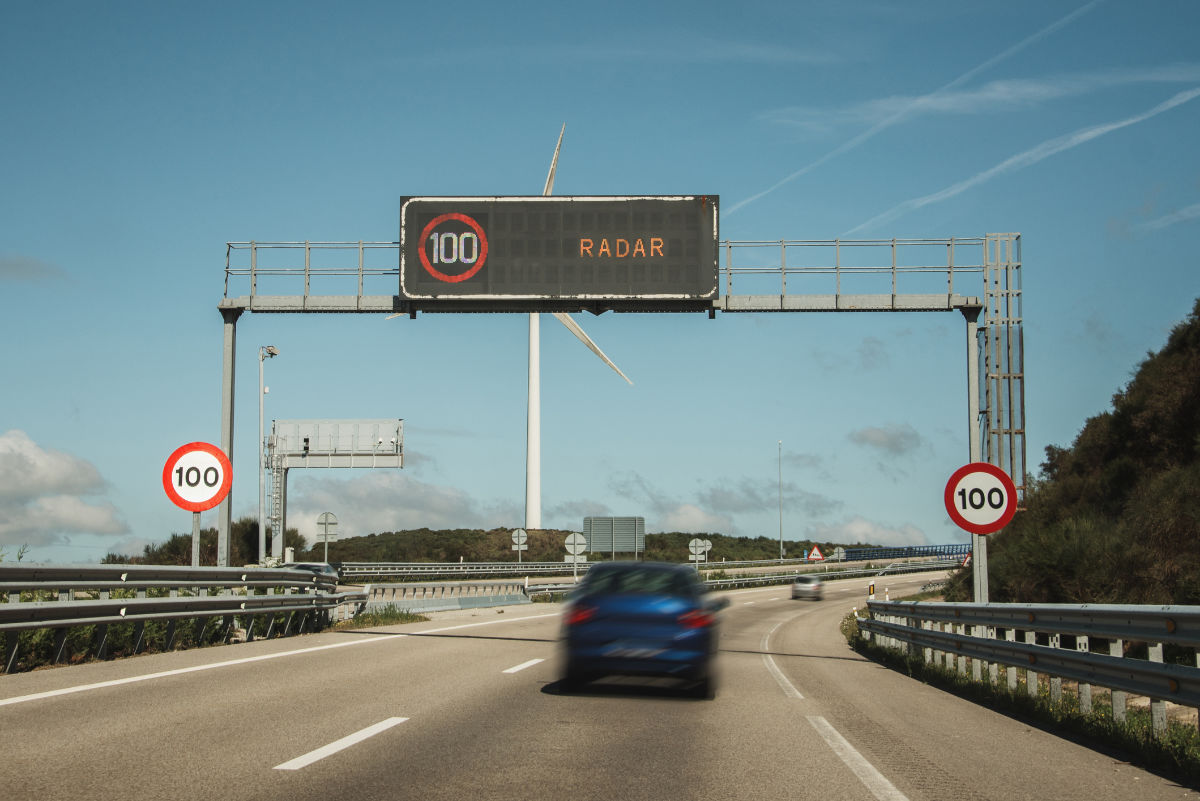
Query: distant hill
[[1115, 518], [474, 545]]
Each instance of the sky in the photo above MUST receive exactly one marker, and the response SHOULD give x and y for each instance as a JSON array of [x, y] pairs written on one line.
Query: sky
[[140, 138]]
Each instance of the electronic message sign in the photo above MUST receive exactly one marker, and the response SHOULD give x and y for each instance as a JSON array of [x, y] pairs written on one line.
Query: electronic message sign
[[535, 253]]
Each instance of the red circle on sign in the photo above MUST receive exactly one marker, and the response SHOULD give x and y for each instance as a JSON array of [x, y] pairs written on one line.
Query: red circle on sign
[[483, 247], [1004, 514], [218, 491]]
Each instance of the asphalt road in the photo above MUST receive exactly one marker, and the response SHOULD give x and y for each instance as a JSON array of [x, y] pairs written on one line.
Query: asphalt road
[[467, 707]]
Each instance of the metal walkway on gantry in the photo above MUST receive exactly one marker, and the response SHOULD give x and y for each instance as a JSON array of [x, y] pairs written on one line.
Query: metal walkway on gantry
[[977, 276]]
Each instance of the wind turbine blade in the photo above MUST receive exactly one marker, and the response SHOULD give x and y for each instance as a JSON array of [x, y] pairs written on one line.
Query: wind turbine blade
[[574, 328], [554, 163]]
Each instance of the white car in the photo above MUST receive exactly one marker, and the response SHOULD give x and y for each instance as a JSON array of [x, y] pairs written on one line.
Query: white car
[[807, 587]]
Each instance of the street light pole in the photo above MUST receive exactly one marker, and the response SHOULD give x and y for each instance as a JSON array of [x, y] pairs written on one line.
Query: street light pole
[[781, 501], [264, 353]]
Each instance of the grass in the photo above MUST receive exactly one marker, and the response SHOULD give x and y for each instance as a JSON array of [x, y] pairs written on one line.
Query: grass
[[1175, 754], [384, 616]]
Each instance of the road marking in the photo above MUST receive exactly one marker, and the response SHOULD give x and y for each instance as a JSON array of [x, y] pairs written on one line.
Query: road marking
[[880, 787], [20, 699], [339, 745], [524, 665], [788, 688], [748, 603]]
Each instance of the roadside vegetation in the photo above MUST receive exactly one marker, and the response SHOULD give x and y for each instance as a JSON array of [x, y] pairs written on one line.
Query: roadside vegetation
[[452, 545], [1114, 517]]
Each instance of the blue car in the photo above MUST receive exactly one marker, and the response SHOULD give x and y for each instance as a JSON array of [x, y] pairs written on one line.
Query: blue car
[[641, 619]]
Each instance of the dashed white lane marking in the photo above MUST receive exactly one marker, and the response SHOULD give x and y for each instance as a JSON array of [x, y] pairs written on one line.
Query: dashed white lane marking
[[20, 699], [880, 787], [788, 689], [749, 603], [339, 745], [523, 665]]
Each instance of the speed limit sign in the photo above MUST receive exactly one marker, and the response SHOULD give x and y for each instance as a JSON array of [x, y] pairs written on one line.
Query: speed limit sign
[[197, 476], [981, 498]]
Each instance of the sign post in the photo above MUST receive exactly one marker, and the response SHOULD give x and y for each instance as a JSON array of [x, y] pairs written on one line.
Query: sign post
[[982, 499], [197, 477], [327, 521], [576, 544], [520, 537]]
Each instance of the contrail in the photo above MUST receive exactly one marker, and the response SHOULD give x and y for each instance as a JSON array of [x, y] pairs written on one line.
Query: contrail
[[1030, 157], [1191, 212], [854, 142]]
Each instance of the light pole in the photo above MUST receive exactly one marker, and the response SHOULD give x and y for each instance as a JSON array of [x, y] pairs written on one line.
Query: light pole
[[264, 353], [781, 501]]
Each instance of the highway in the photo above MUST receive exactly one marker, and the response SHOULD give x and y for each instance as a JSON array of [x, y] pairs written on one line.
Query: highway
[[467, 706]]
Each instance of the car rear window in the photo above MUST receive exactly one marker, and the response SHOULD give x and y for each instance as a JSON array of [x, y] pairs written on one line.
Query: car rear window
[[664, 582]]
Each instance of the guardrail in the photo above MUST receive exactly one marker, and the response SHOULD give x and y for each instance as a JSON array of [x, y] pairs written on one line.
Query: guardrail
[[787, 578], [359, 570], [1059, 641], [442, 597], [68, 597]]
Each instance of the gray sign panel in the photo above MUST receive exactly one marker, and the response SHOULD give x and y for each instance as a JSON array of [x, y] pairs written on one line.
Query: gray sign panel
[[608, 252], [615, 534]]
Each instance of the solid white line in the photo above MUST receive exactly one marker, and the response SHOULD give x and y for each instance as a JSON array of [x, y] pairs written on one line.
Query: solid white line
[[524, 665], [20, 699], [788, 689], [339, 745], [880, 787]]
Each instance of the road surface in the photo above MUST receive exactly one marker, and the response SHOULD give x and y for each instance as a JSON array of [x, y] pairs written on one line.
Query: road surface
[[467, 707]]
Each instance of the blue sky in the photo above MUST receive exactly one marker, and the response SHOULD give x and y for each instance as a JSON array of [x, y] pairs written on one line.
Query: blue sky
[[141, 137]]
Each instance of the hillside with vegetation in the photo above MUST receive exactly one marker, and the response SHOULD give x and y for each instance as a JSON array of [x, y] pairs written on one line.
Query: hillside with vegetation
[[1115, 518], [452, 545]]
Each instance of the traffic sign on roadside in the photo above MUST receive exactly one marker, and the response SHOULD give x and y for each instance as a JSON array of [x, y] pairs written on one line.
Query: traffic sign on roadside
[[815, 555], [197, 476], [980, 498]]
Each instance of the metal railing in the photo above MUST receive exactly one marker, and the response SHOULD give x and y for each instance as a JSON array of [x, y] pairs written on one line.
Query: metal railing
[[69, 597], [1057, 640], [441, 597], [787, 578]]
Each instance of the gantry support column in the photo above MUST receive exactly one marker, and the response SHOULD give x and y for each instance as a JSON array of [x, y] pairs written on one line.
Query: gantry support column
[[225, 510], [978, 542]]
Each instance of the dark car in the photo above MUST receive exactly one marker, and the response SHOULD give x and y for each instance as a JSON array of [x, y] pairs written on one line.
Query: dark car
[[641, 619], [324, 571]]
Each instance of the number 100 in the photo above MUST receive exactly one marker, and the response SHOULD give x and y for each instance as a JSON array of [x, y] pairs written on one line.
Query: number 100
[[192, 477], [976, 499], [451, 248]]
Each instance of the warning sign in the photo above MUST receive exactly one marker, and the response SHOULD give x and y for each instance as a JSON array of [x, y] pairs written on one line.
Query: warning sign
[[815, 555]]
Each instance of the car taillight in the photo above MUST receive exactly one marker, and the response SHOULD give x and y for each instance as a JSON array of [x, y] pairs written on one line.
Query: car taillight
[[580, 614], [695, 619]]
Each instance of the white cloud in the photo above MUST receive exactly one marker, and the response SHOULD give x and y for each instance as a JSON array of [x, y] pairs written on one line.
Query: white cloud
[[389, 501], [40, 491], [27, 269], [894, 439], [859, 529], [690, 518]]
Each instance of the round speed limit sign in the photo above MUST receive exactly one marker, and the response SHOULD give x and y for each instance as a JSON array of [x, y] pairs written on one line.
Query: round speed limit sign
[[197, 476], [981, 498]]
